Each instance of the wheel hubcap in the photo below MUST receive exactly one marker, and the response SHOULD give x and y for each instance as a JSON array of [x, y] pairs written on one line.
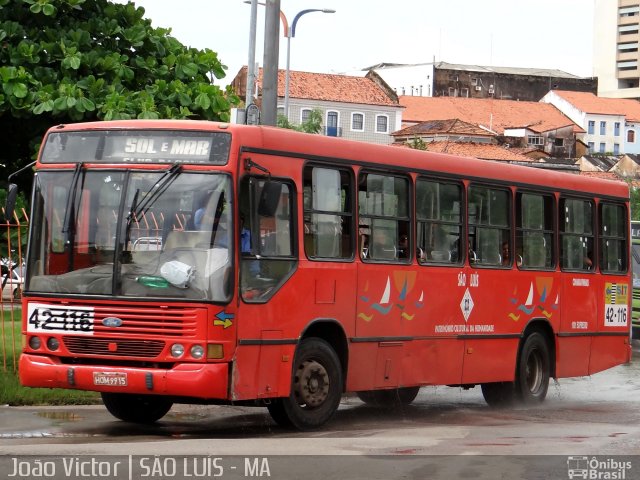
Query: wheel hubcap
[[311, 384]]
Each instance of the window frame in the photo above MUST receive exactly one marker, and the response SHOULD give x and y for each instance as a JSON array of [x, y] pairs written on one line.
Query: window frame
[[378, 116], [562, 234], [602, 238], [521, 230], [440, 222], [304, 111], [366, 256], [350, 207], [477, 227], [353, 115]]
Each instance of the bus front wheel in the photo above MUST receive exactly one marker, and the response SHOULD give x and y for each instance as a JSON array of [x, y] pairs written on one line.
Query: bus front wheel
[[136, 408], [316, 387]]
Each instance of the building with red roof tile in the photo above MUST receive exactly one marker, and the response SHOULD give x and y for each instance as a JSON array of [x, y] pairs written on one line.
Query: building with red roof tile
[[612, 125], [518, 124], [356, 108]]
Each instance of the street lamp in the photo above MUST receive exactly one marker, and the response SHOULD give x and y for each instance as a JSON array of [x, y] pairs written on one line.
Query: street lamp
[[290, 33]]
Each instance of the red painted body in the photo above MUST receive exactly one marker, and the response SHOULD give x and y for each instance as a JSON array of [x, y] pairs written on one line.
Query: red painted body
[[403, 324]]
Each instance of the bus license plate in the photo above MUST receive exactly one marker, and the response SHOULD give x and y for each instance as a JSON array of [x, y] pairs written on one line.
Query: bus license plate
[[111, 379]]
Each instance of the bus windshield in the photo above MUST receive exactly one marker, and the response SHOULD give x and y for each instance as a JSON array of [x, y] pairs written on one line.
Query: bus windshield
[[132, 233]]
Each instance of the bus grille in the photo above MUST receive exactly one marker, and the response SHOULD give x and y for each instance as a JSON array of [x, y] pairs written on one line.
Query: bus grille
[[144, 320], [116, 347], [174, 322]]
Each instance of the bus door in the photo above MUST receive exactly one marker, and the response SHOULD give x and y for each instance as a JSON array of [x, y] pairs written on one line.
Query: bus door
[[579, 302]]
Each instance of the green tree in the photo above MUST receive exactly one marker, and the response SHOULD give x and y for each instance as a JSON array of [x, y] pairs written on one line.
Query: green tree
[[634, 201], [76, 60], [417, 143], [313, 124]]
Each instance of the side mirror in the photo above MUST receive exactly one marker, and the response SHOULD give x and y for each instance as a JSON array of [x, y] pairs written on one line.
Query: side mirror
[[10, 204], [269, 198]]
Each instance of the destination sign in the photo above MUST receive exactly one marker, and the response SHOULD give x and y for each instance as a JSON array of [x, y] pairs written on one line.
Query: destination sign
[[137, 146]]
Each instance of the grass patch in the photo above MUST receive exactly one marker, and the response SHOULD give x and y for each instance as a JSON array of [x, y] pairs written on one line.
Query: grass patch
[[11, 392]]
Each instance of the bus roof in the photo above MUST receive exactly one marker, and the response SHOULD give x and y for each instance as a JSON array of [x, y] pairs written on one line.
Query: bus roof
[[272, 139]]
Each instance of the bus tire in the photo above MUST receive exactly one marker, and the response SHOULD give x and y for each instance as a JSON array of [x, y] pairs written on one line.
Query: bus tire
[[135, 408], [316, 387], [534, 369], [389, 398], [498, 394]]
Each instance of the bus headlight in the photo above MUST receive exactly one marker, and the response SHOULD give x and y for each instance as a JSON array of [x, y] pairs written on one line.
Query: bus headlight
[[177, 350], [35, 343], [53, 343], [197, 352]]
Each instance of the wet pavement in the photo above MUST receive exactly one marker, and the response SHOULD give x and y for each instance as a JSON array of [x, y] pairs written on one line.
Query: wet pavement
[[595, 415]]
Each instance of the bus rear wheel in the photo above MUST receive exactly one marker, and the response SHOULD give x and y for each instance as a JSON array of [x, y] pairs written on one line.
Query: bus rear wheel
[[136, 408], [534, 370], [532, 376], [389, 398], [316, 388], [498, 394]]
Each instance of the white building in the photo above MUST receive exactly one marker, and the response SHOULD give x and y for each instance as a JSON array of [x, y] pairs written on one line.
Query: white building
[[616, 54], [611, 124]]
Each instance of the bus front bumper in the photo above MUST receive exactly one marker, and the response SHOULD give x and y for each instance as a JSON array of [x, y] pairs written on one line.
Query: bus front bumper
[[199, 380]]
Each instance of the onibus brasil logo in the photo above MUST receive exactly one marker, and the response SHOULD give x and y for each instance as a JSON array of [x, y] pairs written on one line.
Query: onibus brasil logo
[[597, 469]]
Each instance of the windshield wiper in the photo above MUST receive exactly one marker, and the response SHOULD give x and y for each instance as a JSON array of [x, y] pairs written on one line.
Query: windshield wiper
[[154, 192], [69, 222], [69, 212]]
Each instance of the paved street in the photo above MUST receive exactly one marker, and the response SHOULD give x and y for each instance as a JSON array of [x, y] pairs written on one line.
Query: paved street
[[588, 416]]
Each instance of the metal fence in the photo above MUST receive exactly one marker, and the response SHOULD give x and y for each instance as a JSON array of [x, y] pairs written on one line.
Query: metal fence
[[12, 266]]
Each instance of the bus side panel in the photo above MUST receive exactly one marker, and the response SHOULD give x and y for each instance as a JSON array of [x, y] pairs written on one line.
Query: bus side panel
[[612, 347], [432, 362], [262, 371], [579, 306], [607, 352], [490, 360], [572, 356]]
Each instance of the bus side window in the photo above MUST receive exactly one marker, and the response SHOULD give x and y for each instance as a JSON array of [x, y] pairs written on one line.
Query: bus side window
[[613, 238], [328, 212], [268, 211], [535, 231], [489, 222], [383, 203], [577, 234]]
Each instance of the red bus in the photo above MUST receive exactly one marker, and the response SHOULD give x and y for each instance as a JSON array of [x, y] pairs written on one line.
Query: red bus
[[199, 262]]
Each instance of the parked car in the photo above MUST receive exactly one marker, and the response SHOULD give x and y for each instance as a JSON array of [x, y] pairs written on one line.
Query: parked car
[[12, 284]]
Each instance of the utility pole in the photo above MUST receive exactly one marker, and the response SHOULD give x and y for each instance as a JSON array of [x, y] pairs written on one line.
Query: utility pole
[[270, 63], [251, 63]]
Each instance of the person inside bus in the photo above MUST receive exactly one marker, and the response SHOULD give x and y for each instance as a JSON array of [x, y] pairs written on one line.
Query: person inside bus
[[382, 247], [403, 246], [199, 214], [506, 255], [588, 263]]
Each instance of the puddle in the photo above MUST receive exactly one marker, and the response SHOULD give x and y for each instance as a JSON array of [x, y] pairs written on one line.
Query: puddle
[[61, 415]]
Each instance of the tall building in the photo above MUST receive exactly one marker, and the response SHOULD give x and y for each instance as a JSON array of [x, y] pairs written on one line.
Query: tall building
[[616, 56]]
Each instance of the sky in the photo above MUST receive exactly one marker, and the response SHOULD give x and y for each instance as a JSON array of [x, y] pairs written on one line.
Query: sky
[[552, 34]]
